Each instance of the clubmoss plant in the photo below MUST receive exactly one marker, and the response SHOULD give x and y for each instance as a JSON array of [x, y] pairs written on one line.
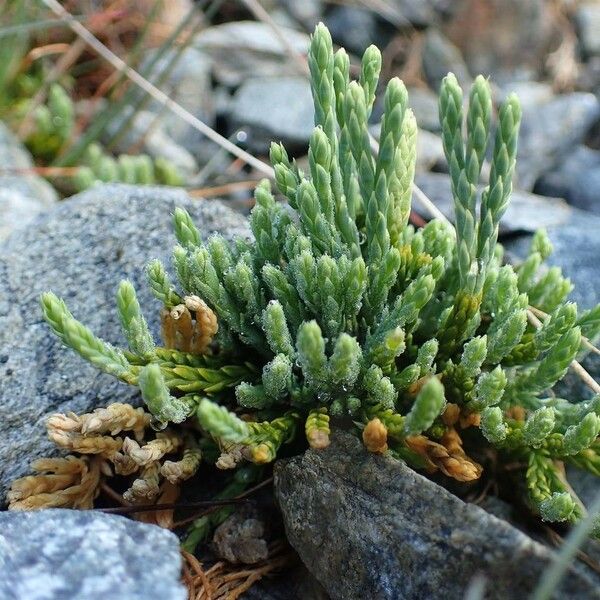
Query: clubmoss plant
[[54, 126], [339, 310]]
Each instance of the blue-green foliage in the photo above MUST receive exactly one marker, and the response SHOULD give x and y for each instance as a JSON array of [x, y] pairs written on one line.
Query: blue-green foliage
[[338, 307]]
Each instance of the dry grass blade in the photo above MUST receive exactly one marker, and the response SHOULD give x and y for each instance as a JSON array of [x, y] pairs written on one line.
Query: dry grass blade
[[219, 190], [152, 90]]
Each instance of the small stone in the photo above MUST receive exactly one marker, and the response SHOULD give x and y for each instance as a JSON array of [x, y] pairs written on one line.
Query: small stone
[[80, 250], [352, 27], [279, 109], [577, 180], [241, 538], [86, 555], [441, 56], [368, 526]]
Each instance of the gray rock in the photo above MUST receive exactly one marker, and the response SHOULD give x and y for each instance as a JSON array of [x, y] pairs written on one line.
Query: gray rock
[[550, 131], [243, 49], [242, 538], [440, 56], [368, 526], [80, 250], [425, 106], [86, 555], [279, 109], [588, 23], [577, 180], [22, 195], [526, 212], [352, 27]]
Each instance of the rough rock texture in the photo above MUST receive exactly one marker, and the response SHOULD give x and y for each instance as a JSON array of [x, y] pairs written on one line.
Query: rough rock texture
[[526, 212], [550, 131], [80, 250], [279, 109], [370, 527], [22, 196], [85, 555], [241, 538]]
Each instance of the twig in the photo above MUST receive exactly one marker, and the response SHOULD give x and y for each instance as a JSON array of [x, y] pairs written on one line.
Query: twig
[[135, 508], [152, 90], [112, 494], [247, 493], [217, 190]]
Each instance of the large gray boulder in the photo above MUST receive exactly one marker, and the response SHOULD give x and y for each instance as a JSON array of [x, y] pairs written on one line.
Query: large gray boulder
[[23, 194], [368, 526], [80, 250], [86, 555]]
